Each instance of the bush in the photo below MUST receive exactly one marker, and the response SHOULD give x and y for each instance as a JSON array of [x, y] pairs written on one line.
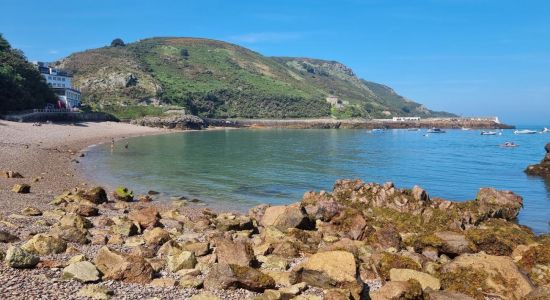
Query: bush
[[117, 43]]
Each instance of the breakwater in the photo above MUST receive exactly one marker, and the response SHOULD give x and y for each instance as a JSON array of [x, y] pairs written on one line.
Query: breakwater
[[474, 123]]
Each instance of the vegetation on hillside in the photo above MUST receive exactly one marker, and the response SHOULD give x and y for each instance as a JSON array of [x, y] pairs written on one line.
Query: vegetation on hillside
[[21, 85], [217, 79]]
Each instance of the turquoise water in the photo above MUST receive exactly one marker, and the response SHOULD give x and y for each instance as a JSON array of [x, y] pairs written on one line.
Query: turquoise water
[[237, 169]]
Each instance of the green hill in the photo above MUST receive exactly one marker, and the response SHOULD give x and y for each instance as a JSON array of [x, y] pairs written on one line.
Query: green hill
[[21, 85], [217, 79]]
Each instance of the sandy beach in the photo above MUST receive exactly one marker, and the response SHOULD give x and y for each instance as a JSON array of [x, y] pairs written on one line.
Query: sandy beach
[[46, 156]]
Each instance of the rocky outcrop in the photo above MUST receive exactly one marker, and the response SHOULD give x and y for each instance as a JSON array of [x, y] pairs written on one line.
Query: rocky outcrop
[[181, 122], [542, 168], [359, 238]]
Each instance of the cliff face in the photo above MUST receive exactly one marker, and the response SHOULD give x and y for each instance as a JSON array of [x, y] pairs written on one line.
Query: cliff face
[[217, 79]]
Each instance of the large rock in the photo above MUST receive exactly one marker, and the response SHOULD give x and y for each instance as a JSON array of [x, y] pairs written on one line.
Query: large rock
[[43, 244], [234, 252], [425, 280], [230, 221], [283, 217], [83, 271], [70, 233], [499, 204], [31, 211], [156, 236], [181, 260], [6, 237], [146, 217], [20, 259], [331, 269], [224, 276], [453, 243], [393, 290], [478, 274], [542, 168], [97, 292], [118, 266], [123, 194], [21, 188]]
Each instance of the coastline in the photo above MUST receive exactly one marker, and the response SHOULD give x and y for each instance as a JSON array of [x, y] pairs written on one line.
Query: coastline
[[177, 251]]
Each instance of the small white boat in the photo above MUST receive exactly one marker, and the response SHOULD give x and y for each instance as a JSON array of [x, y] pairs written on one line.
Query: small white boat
[[525, 131], [377, 130], [488, 133], [436, 130], [413, 129], [545, 130], [465, 128]]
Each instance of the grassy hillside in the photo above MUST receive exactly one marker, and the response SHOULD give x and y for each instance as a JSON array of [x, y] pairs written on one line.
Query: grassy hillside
[[21, 85], [217, 79]]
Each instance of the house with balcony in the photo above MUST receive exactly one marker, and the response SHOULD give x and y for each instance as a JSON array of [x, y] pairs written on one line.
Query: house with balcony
[[61, 83]]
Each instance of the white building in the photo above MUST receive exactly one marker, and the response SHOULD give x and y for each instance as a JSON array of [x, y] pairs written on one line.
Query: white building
[[61, 82], [404, 119]]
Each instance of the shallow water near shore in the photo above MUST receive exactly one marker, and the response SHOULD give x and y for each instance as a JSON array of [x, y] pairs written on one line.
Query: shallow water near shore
[[237, 169]]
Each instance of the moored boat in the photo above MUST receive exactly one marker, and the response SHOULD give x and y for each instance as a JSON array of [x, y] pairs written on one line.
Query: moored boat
[[488, 133], [436, 130], [525, 131]]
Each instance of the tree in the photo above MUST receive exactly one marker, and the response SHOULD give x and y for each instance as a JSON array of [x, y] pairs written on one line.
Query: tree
[[117, 43], [184, 53], [21, 85]]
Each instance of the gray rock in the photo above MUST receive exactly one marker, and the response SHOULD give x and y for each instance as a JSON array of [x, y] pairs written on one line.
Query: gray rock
[[83, 271], [20, 259]]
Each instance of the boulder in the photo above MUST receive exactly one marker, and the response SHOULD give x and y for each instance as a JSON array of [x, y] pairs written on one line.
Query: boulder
[[331, 269], [480, 274], [84, 210], [83, 271], [123, 194], [410, 290], [199, 248], [542, 168], [96, 195], [284, 217], [425, 280], [44, 244], [453, 243], [20, 259], [204, 296], [230, 221], [234, 252], [31, 211], [224, 276], [6, 237], [21, 188], [118, 266], [156, 236], [70, 233], [445, 295], [124, 227], [97, 292], [188, 281], [146, 217], [76, 221], [181, 260], [11, 174], [499, 204]]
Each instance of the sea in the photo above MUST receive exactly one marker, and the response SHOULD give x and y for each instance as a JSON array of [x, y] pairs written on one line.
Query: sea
[[236, 169]]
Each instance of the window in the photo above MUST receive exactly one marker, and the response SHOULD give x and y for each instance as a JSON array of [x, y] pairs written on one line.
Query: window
[[49, 77], [63, 78]]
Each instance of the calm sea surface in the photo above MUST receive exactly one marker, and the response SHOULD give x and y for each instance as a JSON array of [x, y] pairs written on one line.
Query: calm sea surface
[[237, 169]]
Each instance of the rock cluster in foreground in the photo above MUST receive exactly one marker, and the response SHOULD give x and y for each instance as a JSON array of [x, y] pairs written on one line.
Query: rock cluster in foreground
[[542, 168], [360, 240]]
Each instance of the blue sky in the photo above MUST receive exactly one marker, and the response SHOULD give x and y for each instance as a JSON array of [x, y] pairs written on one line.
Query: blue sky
[[471, 57]]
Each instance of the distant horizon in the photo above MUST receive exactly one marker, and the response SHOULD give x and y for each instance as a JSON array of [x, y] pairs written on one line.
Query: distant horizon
[[471, 58]]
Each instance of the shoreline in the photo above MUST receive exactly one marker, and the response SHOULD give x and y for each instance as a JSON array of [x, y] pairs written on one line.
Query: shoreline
[[359, 239]]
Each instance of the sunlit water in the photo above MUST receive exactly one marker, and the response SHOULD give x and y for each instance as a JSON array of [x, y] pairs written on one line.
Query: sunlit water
[[237, 169]]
